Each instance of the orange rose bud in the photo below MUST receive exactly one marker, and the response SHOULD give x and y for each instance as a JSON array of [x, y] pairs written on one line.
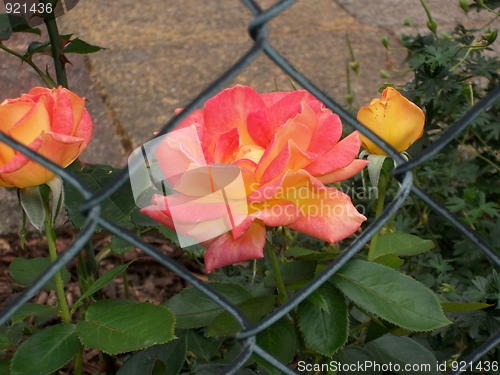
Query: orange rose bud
[[393, 118], [53, 123]]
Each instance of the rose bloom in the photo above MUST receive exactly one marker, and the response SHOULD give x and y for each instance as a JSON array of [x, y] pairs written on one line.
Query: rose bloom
[[287, 147], [53, 123], [393, 118]]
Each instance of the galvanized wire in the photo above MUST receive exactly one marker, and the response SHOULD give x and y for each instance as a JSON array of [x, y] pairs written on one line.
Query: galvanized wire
[[259, 31]]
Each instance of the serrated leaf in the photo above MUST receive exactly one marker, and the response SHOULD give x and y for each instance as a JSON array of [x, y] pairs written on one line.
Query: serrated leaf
[[5, 27], [118, 326], [79, 46], [32, 309], [204, 348], [463, 306], [279, 340], [101, 282], [390, 260], [5, 366], [119, 246], [254, 309], [194, 309], [46, 351], [32, 203], [352, 356], [25, 271], [307, 254], [213, 369], [401, 244], [145, 361], [317, 299], [390, 295], [4, 342], [325, 332], [403, 351], [117, 208]]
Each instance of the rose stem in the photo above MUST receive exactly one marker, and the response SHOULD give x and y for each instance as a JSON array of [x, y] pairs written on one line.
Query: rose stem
[[51, 237], [380, 207], [271, 252], [56, 47]]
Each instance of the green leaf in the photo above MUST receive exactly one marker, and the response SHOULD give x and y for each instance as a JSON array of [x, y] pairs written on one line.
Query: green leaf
[[100, 283], [403, 351], [202, 347], [10, 23], [118, 326], [119, 246], [325, 332], [145, 361], [212, 369], [46, 351], [4, 342], [293, 272], [193, 309], [25, 271], [390, 260], [353, 356], [317, 299], [5, 366], [401, 244], [254, 309], [79, 46], [32, 203], [463, 306], [32, 309], [117, 208], [5, 27], [279, 340], [395, 297], [306, 254]]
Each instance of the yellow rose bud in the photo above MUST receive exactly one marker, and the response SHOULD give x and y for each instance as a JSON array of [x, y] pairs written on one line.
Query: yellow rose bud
[[393, 118]]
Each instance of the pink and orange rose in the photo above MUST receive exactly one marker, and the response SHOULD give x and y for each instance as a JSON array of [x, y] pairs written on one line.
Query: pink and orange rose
[[287, 147], [53, 123]]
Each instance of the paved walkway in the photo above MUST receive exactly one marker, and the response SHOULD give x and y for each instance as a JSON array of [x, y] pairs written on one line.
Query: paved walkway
[[160, 55]]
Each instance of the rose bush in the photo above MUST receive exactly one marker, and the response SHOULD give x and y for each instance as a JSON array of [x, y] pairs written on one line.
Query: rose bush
[[287, 146], [393, 118], [53, 123]]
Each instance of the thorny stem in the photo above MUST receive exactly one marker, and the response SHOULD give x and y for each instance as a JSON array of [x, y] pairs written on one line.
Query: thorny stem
[[280, 285], [380, 208], [46, 79], [56, 48]]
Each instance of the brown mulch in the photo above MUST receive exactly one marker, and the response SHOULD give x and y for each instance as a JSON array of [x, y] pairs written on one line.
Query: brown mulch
[[147, 280]]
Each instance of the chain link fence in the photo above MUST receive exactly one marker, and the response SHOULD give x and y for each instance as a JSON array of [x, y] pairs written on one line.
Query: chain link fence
[[259, 32]]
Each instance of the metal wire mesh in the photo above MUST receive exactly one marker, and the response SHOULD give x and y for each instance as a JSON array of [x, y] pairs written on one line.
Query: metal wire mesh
[[259, 32]]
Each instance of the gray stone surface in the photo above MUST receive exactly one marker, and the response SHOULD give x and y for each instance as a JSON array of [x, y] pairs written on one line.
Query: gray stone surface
[[162, 53]]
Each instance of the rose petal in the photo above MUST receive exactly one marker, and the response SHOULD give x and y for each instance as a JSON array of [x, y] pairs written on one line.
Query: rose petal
[[226, 250], [340, 156], [328, 215]]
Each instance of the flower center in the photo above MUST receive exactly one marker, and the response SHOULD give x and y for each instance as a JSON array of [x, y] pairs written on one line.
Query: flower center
[[251, 152]]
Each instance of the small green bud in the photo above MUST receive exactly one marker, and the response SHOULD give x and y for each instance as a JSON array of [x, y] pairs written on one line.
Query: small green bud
[[407, 21], [464, 4], [490, 36], [446, 36], [480, 2], [384, 73], [354, 65], [385, 42], [349, 98], [432, 26], [446, 288]]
